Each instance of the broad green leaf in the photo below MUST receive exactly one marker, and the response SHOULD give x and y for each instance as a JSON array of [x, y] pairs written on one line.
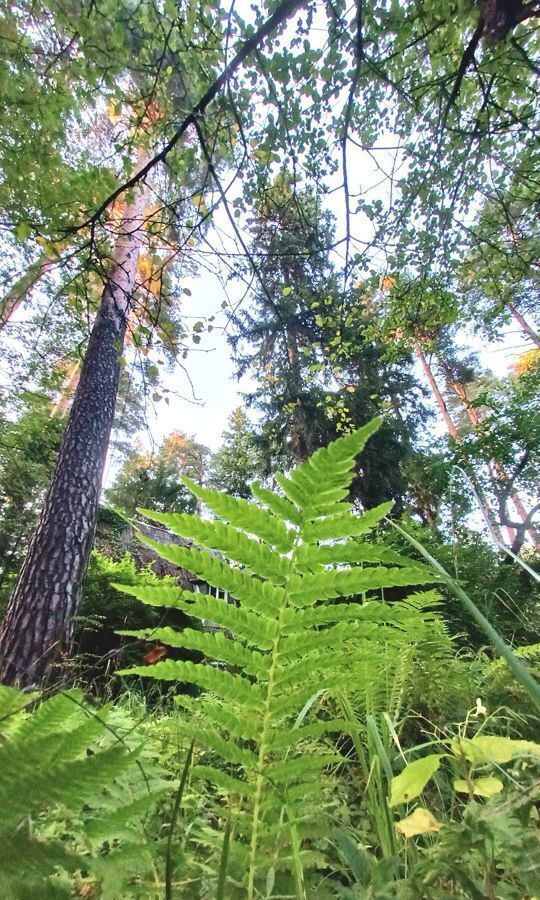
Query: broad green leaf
[[482, 787], [484, 748], [412, 781]]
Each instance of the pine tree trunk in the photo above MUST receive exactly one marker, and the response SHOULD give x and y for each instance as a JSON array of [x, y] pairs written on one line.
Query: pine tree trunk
[[65, 396], [498, 473], [38, 625], [452, 430], [18, 291], [524, 325], [488, 515]]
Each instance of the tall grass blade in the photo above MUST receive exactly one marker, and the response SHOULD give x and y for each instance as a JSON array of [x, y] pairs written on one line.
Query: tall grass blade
[[223, 862], [174, 820]]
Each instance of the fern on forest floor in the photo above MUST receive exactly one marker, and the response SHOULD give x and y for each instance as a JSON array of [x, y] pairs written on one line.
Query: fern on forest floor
[[71, 786], [309, 622]]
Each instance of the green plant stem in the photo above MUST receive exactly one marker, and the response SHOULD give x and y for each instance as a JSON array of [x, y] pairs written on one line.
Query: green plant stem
[[259, 785], [174, 820], [222, 877]]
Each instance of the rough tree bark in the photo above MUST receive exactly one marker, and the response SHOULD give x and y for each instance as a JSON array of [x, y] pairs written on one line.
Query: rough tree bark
[[37, 628]]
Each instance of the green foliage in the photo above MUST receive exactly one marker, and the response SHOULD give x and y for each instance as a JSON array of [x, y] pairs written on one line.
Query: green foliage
[[155, 480], [28, 447], [237, 462], [319, 368], [503, 591], [283, 644], [74, 792], [475, 850], [103, 611]]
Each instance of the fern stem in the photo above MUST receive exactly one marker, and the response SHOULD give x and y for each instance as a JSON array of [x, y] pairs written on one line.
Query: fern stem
[[262, 753], [264, 733]]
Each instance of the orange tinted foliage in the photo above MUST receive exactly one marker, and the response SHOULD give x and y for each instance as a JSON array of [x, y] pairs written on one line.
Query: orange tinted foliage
[[153, 656]]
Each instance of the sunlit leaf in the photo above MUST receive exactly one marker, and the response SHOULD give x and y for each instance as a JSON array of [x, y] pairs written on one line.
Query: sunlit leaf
[[412, 781], [421, 821]]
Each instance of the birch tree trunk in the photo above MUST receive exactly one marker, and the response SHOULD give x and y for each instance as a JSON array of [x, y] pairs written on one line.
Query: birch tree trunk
[[38, 624]]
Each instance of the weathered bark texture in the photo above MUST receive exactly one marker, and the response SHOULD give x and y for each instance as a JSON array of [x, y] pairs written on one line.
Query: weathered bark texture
[[37, 628], [18, 291]]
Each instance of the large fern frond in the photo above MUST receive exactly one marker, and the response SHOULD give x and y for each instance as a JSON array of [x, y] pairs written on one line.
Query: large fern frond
[[308, 612]]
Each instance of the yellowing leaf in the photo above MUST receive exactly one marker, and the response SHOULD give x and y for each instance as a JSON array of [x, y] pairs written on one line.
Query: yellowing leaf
[[154, 286], [199, 204], [527, 362], [482, 787], [412, 781], [421, 821], [144, 268], [387, 282], [485, 748], [115, 111]]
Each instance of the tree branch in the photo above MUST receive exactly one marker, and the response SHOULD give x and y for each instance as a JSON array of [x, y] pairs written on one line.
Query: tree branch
[[285, 9]]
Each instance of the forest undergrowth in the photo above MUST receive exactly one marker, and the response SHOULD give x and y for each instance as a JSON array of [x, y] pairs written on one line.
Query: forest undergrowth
[[321, 736]]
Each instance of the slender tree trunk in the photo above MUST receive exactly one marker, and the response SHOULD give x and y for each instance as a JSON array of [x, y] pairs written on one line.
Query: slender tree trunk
[[38, 625], [523, 515], [460, 392], [65, 396], [18, 291], [524, 325], [498, 472], [452, 430]]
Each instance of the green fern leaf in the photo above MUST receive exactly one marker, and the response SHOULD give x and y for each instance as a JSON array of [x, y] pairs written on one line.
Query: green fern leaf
[[230, 687], [221, 780], [344, 524], [280, 506], [230, 542], [287, 642], [215, 646], [256, 594], [247, 516]]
